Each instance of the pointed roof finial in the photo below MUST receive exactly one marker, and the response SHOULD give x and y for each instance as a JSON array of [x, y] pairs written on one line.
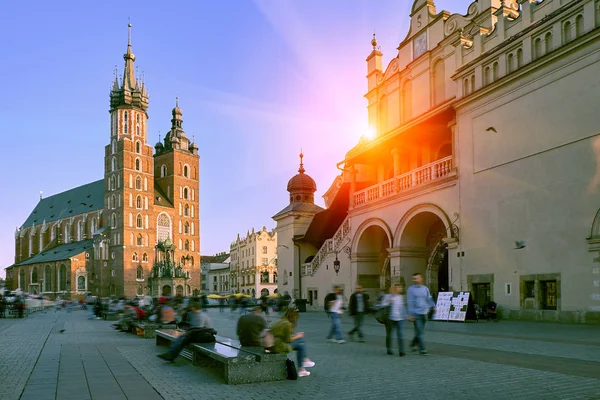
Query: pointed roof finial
[[159, 136], [41, 197], [374, 41], [301, 169], [128, 31], [176, 101]]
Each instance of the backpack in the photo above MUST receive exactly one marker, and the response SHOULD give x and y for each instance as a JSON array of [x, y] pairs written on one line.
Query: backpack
[[267, 340], [328, 298]]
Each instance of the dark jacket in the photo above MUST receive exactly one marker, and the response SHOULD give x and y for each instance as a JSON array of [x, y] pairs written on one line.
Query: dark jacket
[[249, 327], [353, 303]]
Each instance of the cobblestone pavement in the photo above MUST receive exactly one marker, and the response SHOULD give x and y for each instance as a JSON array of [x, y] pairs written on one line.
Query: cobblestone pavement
[[89, 360]]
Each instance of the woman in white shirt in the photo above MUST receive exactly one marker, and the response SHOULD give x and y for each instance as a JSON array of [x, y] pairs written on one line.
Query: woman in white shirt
[[396, 302]]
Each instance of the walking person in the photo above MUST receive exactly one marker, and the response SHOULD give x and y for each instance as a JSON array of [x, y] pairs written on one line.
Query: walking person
[[419, 303], [359, 304], [335, 313], [396, 317], [287, 341]]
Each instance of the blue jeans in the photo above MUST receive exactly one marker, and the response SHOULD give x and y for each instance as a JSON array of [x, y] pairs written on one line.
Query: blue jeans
[[300, 348], [389, 327], [336, 326], [419, 323]]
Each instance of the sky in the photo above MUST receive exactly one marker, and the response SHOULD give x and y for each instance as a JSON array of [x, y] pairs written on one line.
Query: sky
[[257, 81]]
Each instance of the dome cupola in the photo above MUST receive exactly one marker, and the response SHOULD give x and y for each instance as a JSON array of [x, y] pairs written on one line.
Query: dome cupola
[[302, 187]]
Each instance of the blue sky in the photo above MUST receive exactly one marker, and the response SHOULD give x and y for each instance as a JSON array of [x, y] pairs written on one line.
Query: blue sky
[[257, 81]]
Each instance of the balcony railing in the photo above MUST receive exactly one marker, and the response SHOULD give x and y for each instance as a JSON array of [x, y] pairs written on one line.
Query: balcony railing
[[437, 170], [328, 246]]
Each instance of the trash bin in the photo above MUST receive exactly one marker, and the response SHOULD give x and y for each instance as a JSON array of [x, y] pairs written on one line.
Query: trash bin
[[301, 304]]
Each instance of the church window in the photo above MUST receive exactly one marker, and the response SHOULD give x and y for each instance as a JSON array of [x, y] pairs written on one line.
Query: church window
[[67, 237], [113, 164], [140, 290], [134, 257], [163, 171], [466, 86], [125, 122], [41, 241], [138, 147], [130, 200], [138, 221], [114, 146], [140, 240], [579, 26], [185, 193], [138, 183], [145, 257], [163, 227], [138, 202], [111, 183], [113, 202], [48, 279], [186, 210], [138, 164], [548, 42], [192, 261], [186, 171], [193, 193], [62, 277], [186, 228], [140, 274], [52, 232], [180, 206], [130, 181], [113, 220], [567, 32], [94, 225], [186, 247], [79, 230]]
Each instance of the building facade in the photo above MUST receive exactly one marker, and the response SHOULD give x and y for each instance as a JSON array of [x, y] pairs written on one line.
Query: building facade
[[254, 263], [133, 233], [483, 175], [216, 274]]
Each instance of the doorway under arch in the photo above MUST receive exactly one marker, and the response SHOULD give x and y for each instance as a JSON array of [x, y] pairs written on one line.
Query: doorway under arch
[[425, 251], [166, 290], [372, 259]]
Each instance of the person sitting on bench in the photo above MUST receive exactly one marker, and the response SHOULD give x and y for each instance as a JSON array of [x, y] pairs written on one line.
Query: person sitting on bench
[[200, 331], [250, 326]]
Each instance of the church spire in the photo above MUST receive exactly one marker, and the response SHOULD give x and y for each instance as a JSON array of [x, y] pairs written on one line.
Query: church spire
[[129, 57], [301, 169]]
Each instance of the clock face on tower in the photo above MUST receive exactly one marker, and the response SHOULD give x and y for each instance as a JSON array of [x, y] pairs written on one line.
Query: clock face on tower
[[419, 45]]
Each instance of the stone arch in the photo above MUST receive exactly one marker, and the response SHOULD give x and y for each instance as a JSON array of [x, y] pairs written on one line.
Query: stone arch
[[370, 254], [426, 207], [364, 226]]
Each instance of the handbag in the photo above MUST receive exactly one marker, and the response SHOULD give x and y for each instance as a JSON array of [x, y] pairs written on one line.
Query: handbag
[[382, 314], [290, 368]]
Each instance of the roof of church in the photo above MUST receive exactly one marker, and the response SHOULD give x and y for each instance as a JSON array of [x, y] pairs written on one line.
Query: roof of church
[[61, 252], [217, 258], [300, 207], [79, 200]]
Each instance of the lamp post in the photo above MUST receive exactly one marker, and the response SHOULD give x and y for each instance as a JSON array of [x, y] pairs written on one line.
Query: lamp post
[[336, 263]]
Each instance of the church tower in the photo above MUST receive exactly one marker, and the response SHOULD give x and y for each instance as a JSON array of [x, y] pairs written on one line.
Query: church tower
[[129, 185], [176, 164]]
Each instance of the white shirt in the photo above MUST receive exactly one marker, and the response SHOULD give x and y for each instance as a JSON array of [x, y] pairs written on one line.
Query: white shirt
[[337, 305]]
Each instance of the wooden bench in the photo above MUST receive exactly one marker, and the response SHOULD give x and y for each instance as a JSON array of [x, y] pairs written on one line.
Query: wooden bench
[[239, 364]]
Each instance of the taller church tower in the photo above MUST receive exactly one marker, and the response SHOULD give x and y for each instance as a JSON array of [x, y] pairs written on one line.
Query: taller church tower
[[129, 185]]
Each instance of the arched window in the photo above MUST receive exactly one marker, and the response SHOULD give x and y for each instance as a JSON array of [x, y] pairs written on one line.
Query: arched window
[[186, 211], [79, 230], [163, 171], [567, 32], [94, 225], [62, 277], [113, 164], [439, 81], [486, 76], [34, 275], [140, 273], [466, 86], [41, 240], [138, 164], [185, 193], [186, 171], [163, 227], [67, 236], [145, 257], [138, 146], [113, 146], [140, 291], [140, 240], [48, 279], [138, 183], [472, 83], [510, 61], [138, 202], [186, 228], [139, 222], [186, 246], [81, 282], [111, 183], [495, 72], [113, 220], [192, 261], [113, 202], [134, 257], [519, 58], [137, 124], [548, 42], [537, 48], [579, 26], [125, 122], [22, 278], [182, 261], [407, 101]]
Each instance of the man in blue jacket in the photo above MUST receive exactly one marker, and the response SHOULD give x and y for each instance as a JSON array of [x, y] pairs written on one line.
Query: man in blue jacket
[[419, 302]]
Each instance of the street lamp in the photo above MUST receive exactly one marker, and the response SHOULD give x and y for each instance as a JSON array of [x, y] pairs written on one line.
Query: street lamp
[[336, 264]]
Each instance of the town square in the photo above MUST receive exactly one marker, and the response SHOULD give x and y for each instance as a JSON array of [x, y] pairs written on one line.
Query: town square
[[301, 199]]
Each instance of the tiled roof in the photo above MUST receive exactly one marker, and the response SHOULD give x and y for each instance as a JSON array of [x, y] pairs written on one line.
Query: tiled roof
[[58, 253], [300, 207], [217, 259], [80, 200]]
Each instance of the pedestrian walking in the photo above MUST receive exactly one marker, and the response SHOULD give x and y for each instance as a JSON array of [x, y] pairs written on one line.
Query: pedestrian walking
[[397, 315], [419, 303], [335, 311], [358, 306]]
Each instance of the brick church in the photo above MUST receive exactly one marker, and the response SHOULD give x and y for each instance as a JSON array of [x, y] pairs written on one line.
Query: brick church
[[133, 233]]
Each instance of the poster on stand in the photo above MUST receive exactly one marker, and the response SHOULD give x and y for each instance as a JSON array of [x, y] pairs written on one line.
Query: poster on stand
[[443, 306], [454, 306]]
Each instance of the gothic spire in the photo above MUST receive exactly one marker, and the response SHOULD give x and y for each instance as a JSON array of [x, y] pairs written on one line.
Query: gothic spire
[[129, 57]]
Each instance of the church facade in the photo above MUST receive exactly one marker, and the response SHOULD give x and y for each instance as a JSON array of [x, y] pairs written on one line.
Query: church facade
[[136, 231], [484, 171]]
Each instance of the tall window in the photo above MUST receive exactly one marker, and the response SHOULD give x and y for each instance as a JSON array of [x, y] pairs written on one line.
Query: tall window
[[163, 227], [186, 171], [140, 240], [138, 164], [81, 282], [62, 277], [48, 279], [140, 273], [185, 193], [186, 246], [138, 202], [139, 223], [125, 122], [138, 147], [113, 202], [567, 32], [34, 275], [145, 257], [265, 261], [134, 257], [510, 63], [138, 183], [113, 164], [186, 211], [264, 277], [264, 249], [439, 81], [579, 26], [79, 230], [549, 295], [548, 42], [186, 228], [537, 48], [67, 236], [486, 76], [114, 146], [519, 58], [113, 220], [94, 225], [41, 240], [495, 72], [163, 171], [111, 183]]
